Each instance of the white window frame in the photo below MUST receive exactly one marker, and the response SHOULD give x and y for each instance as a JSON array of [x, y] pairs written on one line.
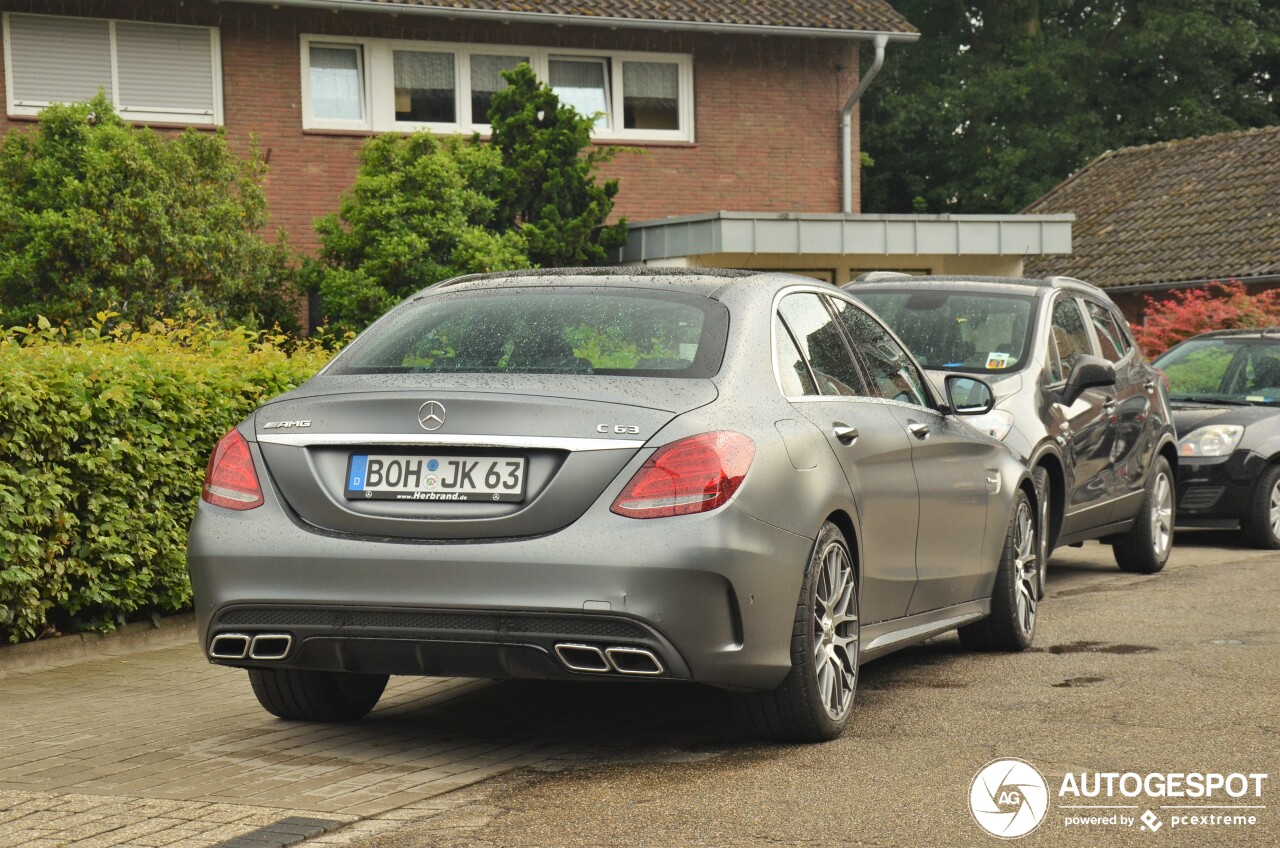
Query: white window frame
[[378, 84], [169, 115]]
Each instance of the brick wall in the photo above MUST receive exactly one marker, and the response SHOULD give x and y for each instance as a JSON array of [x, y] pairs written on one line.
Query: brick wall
[[766, 108]]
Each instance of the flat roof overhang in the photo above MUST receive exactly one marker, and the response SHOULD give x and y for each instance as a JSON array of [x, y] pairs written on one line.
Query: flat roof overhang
[[801, 233]]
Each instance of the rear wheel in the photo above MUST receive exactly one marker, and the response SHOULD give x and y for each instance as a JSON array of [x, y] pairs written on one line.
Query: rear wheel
[[316, 695], [1012, 623], [813, 703], [1040, 477], [1261, 521], [1145, 549]]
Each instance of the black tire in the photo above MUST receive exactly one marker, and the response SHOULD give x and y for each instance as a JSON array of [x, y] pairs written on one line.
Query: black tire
[[804, 708], [1011, 626], [1261, 520], [329, 696], [1044, 503], [1145, 548]]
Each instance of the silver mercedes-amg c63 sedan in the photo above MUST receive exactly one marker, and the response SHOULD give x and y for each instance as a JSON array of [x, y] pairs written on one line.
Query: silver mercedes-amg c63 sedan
[[733, 478]]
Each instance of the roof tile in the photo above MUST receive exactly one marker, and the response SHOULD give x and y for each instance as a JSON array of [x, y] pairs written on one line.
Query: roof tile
[[1198, 209], [840, 15]]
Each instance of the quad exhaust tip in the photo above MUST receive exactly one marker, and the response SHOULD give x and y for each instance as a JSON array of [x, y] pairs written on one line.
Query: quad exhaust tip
[[589, 658], [582, 658], [270, 646], [229, 646]]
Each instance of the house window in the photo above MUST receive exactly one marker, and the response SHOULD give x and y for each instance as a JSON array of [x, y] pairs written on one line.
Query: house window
[[582, 84], [426, 87], [151, 72], [383, 85], [486, 81], [337, 82]]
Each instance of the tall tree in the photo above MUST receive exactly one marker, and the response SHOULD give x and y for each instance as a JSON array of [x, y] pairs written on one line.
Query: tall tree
[[1002, 99]]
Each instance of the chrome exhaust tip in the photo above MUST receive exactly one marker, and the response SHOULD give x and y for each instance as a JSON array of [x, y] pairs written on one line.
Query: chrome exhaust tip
[[582, 658], [634, 661], [229, 646], [270, 646]]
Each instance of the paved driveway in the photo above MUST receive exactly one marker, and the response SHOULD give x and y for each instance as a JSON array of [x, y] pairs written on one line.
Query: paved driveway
[[1176, 671]]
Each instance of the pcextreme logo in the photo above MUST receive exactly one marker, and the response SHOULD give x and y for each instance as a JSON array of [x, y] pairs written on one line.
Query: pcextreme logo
[[1009, 798]]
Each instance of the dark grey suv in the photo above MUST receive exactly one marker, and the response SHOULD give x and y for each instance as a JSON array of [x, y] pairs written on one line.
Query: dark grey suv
[[1075, 398]]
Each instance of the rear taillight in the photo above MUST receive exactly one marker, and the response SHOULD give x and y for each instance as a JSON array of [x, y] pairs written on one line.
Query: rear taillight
[[230, 480], [697, 474]]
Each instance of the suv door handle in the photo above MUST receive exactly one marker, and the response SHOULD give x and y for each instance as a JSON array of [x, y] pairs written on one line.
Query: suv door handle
[[1150, 386], [844, 434], [1109, 406], [920, 431]]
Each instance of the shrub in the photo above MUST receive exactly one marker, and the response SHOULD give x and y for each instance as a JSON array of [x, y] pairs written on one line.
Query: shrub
[[94, 212], [424, 209], [1217, 306], [104, 439], [417, 214]]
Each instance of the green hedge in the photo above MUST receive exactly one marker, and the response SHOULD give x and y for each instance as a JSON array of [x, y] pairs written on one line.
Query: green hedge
[[104, 439]]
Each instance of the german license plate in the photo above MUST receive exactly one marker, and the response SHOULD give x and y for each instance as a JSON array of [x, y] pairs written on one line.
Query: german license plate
[[402, 477]]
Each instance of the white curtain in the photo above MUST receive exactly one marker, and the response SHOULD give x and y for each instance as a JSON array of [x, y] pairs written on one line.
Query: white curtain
[[424, 71], [335, 83]]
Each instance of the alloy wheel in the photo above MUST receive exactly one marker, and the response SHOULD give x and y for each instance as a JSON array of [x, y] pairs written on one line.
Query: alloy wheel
[[1027, 566], [1162, 515], [835, 631], [1274, 514]]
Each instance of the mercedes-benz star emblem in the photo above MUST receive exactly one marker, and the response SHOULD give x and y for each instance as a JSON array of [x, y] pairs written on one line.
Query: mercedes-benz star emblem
[[431, 415]]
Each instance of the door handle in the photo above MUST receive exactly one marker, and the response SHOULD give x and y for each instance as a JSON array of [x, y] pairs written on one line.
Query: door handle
[[1150, 386], [1109, 406], [920, 431], [844, 434]]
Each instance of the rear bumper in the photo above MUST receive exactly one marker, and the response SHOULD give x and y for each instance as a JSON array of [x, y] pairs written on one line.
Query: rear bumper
[[711, 596], [1215, 491]]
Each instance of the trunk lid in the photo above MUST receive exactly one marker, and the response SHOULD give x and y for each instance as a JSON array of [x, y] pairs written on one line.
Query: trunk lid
[[571, 435]]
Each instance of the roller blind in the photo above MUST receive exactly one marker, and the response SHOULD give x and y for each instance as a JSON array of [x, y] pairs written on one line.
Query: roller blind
[[486, 71], [58, 59], [651, 80], [165, 68], [424, 71]]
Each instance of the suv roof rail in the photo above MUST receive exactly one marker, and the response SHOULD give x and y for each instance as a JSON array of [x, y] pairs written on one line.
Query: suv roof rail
[[1057, 280], [876, 276]]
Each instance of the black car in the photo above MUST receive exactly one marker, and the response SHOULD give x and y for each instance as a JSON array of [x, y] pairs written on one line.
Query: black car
[[1075, 398], [1225, 388]]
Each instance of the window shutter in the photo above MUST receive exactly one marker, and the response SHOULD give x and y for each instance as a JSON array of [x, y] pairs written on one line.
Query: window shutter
[[58, 59], [165, 68]]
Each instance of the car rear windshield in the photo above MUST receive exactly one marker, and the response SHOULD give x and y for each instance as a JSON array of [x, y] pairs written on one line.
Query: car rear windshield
[[1241, 370], [958, 331], [635, 333]]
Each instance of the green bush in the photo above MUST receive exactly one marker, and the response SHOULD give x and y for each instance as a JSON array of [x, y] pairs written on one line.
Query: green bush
[[104, 439], [94, 212]]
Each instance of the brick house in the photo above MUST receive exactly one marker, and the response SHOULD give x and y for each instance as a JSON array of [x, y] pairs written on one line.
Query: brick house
[[732, 105], [1174, 215]]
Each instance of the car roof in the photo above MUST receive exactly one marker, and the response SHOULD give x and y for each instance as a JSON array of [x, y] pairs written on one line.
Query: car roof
[[703, 281], [1250, 333], [976, 282]]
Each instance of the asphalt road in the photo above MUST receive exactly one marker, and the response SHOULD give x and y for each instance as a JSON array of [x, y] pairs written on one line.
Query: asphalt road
[[1172, 673]]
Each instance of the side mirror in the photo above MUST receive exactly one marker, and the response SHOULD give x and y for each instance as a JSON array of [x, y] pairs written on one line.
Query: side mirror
[[969, 395], [1089, 372]]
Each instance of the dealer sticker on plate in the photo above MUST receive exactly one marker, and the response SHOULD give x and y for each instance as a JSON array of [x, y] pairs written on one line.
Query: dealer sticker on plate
[[402, 477]]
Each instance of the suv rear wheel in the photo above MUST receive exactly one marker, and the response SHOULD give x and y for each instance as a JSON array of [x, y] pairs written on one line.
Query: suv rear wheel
[[1145, 549], [316, 695]]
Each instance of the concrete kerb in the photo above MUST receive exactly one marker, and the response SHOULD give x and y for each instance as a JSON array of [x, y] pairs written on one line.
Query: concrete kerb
[[78, 647]]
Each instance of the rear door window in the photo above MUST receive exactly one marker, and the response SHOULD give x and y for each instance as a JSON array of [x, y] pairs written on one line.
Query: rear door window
[[1111, 340], [819, 338], [893, 376]]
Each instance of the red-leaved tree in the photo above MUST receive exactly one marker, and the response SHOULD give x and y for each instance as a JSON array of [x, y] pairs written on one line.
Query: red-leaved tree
[[1217, 306]]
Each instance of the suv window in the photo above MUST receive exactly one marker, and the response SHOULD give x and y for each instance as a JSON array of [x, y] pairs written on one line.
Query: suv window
[[1111, 340], [893, 376], [1070, 339], [793, 375], [821, 343]]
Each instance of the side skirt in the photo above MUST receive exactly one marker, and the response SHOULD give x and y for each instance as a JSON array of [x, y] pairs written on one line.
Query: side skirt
[[888, 636]]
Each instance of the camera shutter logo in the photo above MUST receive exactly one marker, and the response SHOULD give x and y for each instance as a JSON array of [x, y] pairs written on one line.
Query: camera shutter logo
[[431, 415], [1008, 798]]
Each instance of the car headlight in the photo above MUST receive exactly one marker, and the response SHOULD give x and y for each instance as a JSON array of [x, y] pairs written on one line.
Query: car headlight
[[996, 423], [1213, 440]]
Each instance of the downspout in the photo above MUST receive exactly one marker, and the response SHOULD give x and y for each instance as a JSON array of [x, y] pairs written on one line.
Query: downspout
[[846, 122]]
